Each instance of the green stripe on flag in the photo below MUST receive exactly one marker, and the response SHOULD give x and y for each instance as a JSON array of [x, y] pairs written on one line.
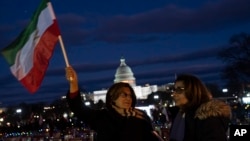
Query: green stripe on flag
[[11, 51]]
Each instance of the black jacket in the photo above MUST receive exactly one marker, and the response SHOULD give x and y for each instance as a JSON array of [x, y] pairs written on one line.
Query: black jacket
[[110, 125], [209, 122]]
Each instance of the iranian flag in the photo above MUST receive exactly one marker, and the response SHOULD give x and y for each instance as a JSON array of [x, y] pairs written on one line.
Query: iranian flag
[[29, 55]]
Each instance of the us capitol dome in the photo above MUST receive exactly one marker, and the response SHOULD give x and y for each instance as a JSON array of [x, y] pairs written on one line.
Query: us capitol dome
[[124, 74]]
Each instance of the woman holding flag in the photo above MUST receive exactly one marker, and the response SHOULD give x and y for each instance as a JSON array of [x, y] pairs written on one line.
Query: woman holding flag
[[119, 121]]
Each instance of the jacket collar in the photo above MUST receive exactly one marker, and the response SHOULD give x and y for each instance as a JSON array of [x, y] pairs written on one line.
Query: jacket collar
[[213, 108]]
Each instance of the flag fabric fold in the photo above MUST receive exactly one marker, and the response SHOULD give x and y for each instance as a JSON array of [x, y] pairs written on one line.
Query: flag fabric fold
[[29, 54]]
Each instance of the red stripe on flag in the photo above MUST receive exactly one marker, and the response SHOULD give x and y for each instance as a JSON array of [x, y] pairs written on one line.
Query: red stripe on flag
[[42, 54]]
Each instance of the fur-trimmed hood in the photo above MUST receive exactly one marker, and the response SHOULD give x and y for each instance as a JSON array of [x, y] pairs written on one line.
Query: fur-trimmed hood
[[213, 108]]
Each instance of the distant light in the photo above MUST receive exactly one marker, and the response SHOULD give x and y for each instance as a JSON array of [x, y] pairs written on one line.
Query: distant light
[[248, 94], [87, 103], [65, 115], [246, 100], [171, 105], [47, 108], [225, 90], [35, 116], [156, 96], [18, 110], [71, 114]]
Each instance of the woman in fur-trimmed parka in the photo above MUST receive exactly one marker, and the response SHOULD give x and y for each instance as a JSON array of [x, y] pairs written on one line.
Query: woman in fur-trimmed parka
[[119, 121], [200, 117]]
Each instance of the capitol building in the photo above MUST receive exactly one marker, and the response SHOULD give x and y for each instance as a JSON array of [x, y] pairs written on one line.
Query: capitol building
[[125, 74]]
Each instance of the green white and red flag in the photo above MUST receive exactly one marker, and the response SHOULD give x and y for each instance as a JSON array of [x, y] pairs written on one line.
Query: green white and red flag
[[29, 54]]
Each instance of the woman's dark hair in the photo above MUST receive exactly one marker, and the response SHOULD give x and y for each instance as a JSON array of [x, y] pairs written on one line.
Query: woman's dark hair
[[195, 91], [113, 94]]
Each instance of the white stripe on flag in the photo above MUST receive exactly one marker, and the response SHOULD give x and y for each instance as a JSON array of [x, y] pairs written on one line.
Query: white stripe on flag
[[24, 58]]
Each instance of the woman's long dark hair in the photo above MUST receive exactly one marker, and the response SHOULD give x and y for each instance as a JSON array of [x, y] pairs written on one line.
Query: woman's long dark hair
[[195, 91]]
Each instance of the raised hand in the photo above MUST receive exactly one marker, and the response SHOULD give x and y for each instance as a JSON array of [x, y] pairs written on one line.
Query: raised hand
[[71, 76]]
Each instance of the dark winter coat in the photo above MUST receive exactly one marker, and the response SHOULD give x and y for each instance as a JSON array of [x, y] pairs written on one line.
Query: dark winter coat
[[209, 122], [110, 125]]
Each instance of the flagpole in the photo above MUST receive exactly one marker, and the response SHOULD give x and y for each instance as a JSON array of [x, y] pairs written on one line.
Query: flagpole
[[59, 37], [63, 50]]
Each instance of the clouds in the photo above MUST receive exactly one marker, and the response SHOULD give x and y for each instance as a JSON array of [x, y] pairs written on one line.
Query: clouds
[[173, 19], [101, 75], [158, 39], [148, 24]]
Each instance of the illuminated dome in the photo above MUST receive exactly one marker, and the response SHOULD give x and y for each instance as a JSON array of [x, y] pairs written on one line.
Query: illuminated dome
[[124, 74]]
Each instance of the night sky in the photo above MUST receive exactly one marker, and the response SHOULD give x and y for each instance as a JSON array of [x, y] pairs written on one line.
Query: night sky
[[158, 39]]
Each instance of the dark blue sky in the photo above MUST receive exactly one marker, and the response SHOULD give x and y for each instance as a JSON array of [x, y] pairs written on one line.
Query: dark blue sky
[[158, 38]]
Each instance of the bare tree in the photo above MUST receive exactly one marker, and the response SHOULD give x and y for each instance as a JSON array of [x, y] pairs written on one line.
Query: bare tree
[[237, 58]]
